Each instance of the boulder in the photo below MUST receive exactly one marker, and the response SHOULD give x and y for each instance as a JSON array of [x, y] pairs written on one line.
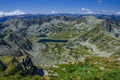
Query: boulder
[[27, 61], [2, 66], [39, 71], [34, 70], [14, 60], [30, 68]]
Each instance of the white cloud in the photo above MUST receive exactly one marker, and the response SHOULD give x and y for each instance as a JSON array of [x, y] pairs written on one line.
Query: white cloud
[[104, 11], [87, 11], [54, 12], [17, 12], [83, 9], [118, 13]]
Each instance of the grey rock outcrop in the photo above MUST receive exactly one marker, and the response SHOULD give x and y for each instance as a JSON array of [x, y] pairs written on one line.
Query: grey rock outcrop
[[2, 66], [31, 69], [28, 67]]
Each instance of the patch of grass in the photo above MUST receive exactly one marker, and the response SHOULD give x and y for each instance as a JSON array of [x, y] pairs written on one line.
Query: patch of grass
[[89, 70], [93, 68], [64, 35]]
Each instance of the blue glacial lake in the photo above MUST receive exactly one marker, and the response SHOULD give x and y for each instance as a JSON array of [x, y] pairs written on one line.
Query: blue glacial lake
[[51, 40]]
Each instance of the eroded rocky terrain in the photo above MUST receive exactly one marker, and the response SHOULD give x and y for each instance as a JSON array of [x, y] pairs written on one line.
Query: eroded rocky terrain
[[58, 40]]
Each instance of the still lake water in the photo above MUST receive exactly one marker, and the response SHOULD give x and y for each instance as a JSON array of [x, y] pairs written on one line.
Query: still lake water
[[52, 40]]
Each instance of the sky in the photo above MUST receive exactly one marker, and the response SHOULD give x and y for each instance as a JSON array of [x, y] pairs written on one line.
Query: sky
[[16, 7]]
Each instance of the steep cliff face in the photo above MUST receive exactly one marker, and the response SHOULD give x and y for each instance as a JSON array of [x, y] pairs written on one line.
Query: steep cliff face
[[14, 44], [87, 36]]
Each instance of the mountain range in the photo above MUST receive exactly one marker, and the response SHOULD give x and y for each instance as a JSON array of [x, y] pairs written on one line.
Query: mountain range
[[60, 47], [86, 35]]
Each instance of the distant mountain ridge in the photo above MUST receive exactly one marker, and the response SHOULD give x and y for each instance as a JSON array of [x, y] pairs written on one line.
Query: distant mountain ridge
[[100, 16]]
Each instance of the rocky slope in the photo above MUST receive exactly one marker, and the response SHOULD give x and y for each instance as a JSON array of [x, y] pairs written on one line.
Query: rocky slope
[[87, 36]]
